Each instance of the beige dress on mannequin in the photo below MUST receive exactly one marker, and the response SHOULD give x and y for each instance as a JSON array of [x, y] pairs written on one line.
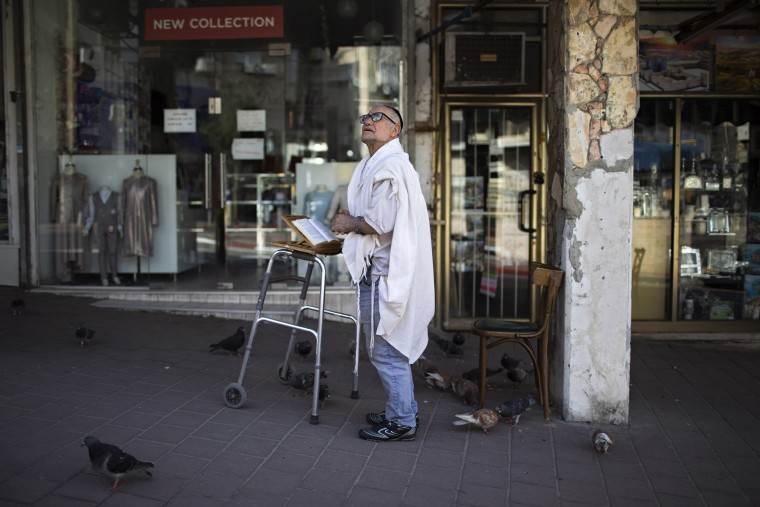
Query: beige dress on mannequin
[[140, 194]]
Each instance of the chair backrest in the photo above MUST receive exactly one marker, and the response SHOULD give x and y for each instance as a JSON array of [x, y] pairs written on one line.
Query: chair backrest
[[548, 279]]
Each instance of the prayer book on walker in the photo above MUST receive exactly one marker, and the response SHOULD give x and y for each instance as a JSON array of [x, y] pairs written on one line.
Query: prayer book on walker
[[317, 238]]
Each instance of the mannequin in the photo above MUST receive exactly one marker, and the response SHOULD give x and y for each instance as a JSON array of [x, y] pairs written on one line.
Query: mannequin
[[317, 202], [140, 194], [69, 191], [104, 218]]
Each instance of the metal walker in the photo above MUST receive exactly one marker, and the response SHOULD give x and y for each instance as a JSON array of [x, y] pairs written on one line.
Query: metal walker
[[234, 393]]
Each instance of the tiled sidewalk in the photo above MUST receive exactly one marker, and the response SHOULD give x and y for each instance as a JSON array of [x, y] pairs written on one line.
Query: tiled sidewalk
[[148, 384]]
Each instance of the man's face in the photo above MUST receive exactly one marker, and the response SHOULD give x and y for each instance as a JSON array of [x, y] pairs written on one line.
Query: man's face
[[377, 133]]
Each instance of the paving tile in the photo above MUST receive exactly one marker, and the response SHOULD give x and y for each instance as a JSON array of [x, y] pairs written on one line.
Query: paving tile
[[329, 480], [299, 464], [420, 495], [431, 475], [233, 463], [274, 482], [533, 494], [314, 498], [471, 494], [302, 445], [371, 497], [590, 493], [388, 480], [534, 474], [200, 447]]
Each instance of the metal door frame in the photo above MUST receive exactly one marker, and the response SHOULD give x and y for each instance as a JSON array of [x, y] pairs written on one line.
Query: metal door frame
[[443, 226]]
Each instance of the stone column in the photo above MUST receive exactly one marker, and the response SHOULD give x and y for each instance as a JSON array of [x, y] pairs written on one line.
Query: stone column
[[593, 102]]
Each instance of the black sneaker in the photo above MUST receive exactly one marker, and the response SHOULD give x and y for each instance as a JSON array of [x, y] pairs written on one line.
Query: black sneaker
[[387, 432], [375, 418]]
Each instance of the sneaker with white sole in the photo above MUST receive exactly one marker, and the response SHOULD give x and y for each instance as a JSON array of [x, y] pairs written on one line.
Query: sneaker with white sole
[[375, 418], [388, 431]]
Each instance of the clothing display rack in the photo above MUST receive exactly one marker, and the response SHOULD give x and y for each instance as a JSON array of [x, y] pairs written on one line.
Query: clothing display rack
[[234, 394]]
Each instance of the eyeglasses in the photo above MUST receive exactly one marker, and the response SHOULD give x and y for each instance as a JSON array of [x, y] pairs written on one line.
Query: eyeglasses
[[375, 117]]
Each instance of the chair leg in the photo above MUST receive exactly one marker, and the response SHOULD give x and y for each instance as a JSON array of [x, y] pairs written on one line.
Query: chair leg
[[482, 379], [543, 360]]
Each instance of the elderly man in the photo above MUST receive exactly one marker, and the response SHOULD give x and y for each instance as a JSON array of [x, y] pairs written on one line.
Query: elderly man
[[389, 256]]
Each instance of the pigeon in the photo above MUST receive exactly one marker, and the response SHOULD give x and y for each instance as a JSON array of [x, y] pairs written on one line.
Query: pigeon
[[17, 306], [446, 346], [303, 348], [602, 441], [514, 408], [517, 375], [305, 380], [474, 374], [510, 363], [440, 380], [231, 344], [466, 390], [458, 339], [113, 462], [84, 335], [426, 366], [483, 418]]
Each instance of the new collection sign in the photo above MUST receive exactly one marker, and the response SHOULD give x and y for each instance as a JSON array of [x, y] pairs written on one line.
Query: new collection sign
[[198, 23]]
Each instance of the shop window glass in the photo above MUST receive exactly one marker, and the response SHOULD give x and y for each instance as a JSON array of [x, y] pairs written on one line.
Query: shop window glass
[[652, 210], [103, 91], [719, 241]]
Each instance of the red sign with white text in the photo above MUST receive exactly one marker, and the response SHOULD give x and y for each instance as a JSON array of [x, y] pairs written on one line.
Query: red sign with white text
[[196, 23]]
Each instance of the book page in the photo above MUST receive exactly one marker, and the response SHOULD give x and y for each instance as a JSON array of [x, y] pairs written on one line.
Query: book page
[[314, 231]]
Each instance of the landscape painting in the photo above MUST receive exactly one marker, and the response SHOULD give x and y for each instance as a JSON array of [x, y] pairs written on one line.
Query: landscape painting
[[737, 64]]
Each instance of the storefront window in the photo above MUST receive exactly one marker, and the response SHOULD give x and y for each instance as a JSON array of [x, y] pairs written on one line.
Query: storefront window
[[652, 210], [719, 242], [221, 129]]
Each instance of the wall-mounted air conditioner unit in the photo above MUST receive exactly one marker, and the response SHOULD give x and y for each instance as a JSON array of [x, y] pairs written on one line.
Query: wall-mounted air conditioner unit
[[484, 59]]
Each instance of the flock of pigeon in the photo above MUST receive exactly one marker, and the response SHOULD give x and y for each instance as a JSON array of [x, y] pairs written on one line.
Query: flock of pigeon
[[466, 389], [113, 462]]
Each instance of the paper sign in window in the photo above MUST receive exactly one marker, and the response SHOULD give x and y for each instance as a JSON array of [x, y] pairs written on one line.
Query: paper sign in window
[[248, 149]]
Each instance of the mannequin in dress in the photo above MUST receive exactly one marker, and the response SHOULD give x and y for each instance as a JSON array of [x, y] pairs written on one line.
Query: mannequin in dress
[[104, 218], [69, 192], [140, 194]]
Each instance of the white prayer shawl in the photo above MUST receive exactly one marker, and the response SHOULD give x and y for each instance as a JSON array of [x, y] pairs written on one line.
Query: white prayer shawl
[[407, 293]]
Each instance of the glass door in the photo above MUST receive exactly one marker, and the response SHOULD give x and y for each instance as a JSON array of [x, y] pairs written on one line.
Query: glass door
[[230, 162], [491, 218]]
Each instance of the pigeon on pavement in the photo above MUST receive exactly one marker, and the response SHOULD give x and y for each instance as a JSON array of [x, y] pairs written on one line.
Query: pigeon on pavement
[[303, 348], [511, 362], [602, 441], [483, 418], [231, 344], [305, 380], [446, 346], [474, 374], [466, 390], [84, 335], [17, 306], [514, 408], [517, 375], [113, 462], [426, 366], [440, 380], [458, 339]]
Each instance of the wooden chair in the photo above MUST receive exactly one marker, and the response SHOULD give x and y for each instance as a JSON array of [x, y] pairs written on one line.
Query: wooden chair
[[494, 332]]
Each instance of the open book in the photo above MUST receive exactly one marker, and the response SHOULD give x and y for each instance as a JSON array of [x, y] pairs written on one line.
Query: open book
[[317, 237]]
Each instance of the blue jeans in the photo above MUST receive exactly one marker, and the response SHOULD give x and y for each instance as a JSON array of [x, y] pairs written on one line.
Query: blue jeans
[[392, 366]]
